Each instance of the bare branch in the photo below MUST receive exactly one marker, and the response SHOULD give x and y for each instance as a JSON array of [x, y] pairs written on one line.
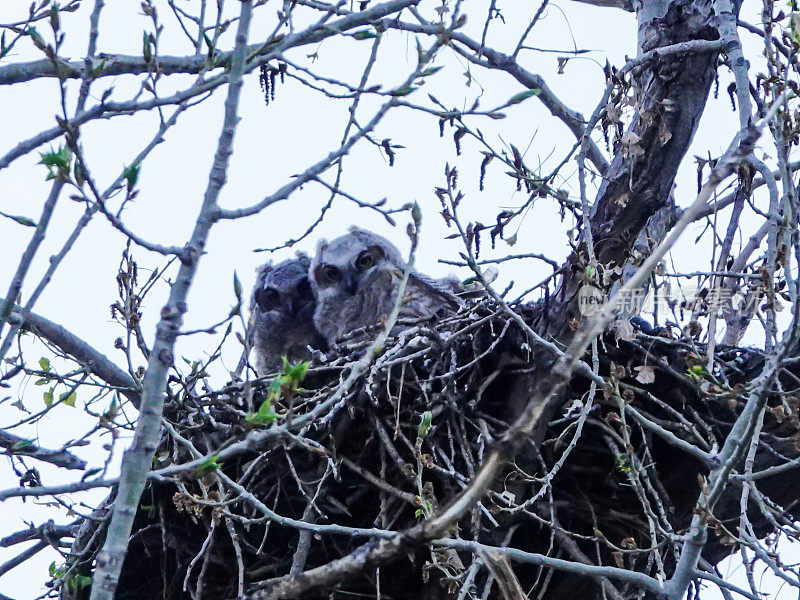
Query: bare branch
[[17, 446]]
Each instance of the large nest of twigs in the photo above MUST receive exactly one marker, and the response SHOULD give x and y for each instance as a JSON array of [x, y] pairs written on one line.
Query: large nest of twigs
[[409, 432]]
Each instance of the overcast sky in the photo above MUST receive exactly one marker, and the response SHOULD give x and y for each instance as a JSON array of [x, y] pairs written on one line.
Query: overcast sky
[[273, 142]]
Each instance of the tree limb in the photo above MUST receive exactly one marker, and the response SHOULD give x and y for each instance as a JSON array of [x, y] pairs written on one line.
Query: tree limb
[[17, 446], [120, 64]]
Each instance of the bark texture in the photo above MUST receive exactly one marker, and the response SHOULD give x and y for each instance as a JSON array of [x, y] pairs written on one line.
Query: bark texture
[[672, 95]]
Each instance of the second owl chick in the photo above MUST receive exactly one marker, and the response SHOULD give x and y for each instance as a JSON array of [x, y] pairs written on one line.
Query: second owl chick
[[355, 279], [282, 315]]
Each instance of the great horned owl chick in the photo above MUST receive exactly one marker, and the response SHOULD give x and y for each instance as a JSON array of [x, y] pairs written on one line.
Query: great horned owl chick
[[355, 279], [282, 315]]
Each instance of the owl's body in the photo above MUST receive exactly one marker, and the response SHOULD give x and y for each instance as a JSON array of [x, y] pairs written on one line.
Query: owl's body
[[282, 315], [355, 279]]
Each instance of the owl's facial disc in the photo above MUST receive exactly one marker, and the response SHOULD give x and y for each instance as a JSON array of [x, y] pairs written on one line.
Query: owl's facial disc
[[329, 276]]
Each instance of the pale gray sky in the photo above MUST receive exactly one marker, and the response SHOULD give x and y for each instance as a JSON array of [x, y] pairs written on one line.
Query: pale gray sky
[[273, 142]]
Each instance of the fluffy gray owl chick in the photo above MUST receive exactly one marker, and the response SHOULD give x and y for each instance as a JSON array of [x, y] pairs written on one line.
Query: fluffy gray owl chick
[[355, 279], [282, 315]]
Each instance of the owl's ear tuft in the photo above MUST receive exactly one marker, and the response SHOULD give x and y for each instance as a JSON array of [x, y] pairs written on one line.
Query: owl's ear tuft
[[262, 272], [361, 233], [303, 259]]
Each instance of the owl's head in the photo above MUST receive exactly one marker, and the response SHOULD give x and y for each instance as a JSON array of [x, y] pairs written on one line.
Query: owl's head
[[343, 263], [284, 289]]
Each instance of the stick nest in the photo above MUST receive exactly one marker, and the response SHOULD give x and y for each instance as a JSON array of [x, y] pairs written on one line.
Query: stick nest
[[408, 434]]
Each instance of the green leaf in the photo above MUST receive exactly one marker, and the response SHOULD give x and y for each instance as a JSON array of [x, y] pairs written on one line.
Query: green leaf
[[425, 424], [147, 53], [77, 171], [275, 387], [21, 446], [111, 414], [237, 287], [98, 69], [60, 159], [403, 91], [364, 34], [68, 398], [21, 220], [131, 175], [55, 22], [430, 71], [36, 37], [211, 49], [42, 381], [698, 373], [416, 214], [58, 163], [209, 465], [524, 96], [48, 398], [296, 372], [44, 363], [265, 415], [75, 582]]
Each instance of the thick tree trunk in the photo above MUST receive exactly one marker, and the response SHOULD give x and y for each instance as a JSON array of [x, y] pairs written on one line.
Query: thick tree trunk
[[672, 94]]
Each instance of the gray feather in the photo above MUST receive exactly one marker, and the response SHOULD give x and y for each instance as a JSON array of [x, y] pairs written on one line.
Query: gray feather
[[355, 279], [282, 315]]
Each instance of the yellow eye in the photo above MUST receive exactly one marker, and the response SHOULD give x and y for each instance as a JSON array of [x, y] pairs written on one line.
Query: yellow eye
[[364, 261]]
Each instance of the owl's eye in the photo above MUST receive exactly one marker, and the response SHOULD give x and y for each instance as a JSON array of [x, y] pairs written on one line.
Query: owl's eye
[[268, 299], [303, 289], [331, 274], [365, 260]]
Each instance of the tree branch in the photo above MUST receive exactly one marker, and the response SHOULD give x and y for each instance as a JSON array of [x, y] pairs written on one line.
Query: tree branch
[[626, 5], [138, 458], [120, 64], [17, 446]]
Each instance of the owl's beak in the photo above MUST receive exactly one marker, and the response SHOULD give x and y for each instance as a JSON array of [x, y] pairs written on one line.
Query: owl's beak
[[290, 309], [350, 283]]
